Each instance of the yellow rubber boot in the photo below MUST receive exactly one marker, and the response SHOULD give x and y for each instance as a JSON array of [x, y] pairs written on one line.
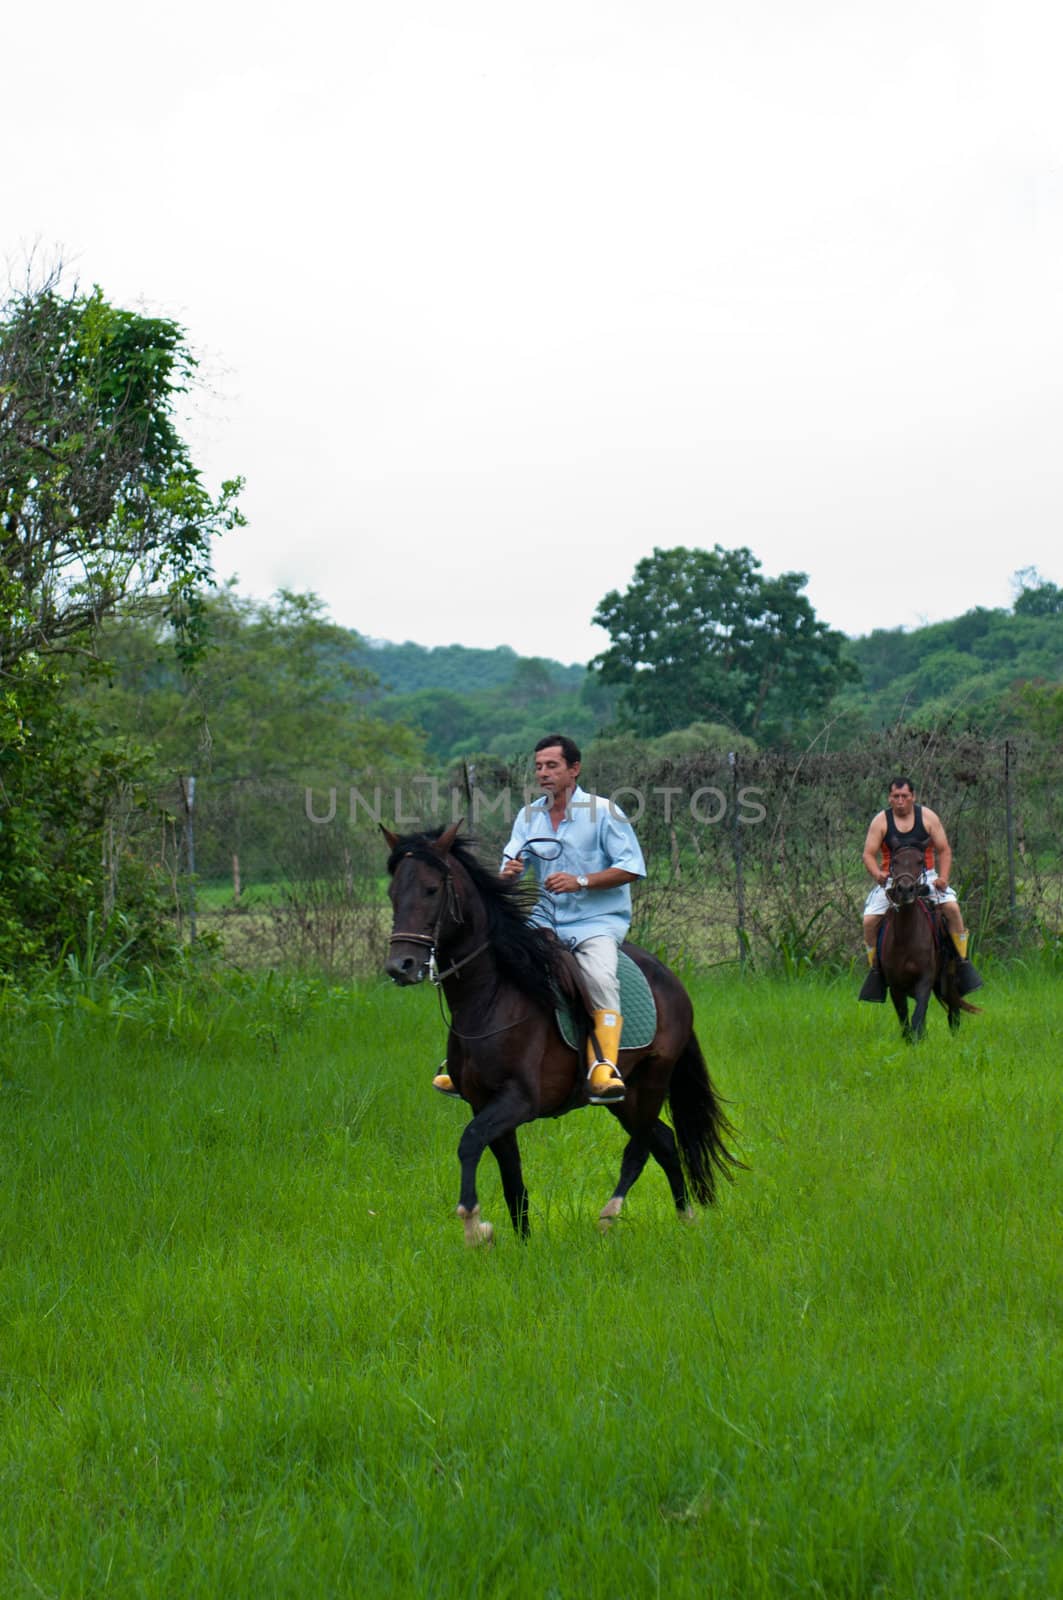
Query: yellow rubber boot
[[870, 954], [606, 1084], [960, 941], [443, 1081]]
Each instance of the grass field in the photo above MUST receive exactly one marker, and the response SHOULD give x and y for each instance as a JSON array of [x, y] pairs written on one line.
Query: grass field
[[245, 1352]]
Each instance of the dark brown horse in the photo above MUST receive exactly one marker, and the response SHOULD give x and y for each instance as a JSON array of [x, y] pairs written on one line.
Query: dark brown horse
[[468, 928], [916, 953]]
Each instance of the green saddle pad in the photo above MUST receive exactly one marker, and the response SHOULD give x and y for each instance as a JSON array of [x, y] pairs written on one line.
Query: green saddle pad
[[637, 1008]]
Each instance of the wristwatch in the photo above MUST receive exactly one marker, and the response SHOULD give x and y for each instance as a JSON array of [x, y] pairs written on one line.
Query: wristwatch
[[582, 881]]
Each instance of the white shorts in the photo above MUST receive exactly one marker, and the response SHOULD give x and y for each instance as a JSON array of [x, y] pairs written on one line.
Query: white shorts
[[876, 904], [597, 959]]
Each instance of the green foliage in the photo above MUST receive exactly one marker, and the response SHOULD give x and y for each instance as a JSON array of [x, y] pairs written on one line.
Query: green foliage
[[1040, 708], [505, 721], [1037, 597], [406, 668], [276, 703], [974, 665], [100, 502], [698, 737], [71, 804], [102, 514], [701, 634], [275, 694]]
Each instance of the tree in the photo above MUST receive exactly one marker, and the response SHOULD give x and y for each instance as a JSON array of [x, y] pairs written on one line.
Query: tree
[[276, 702], [701, 635], [101, 512], [100, 502], [532, 682], [1037, 597]]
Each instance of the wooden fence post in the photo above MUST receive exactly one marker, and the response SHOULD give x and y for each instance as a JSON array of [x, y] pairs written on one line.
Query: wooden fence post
[[188, 795], [740, 883], [1009, 814]]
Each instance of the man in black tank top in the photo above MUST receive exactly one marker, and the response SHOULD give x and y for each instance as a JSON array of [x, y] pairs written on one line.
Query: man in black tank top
[[904, 822]]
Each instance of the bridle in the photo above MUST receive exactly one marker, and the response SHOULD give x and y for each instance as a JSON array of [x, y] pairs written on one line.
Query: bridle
[[449, 903], [904, 881]]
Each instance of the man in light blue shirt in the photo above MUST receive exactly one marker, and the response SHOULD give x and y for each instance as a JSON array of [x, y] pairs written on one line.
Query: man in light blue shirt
[[584, 852]]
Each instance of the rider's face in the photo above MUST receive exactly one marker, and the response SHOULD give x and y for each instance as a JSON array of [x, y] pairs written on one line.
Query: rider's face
[[901, 801], [555, 776]]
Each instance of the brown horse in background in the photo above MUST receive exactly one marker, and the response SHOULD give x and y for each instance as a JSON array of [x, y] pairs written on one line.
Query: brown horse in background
[[915, 952], [502, 978]]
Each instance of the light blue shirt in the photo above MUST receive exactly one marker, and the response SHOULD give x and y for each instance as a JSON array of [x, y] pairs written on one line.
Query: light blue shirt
[[592, 835]]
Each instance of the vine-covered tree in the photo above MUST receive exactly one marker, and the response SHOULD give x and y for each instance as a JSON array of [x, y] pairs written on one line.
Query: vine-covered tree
[[101, 504], [101, 511], [703, 635]]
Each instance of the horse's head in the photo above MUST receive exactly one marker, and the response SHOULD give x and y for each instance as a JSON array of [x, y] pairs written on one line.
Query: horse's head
[[424, 899], [906, 875]]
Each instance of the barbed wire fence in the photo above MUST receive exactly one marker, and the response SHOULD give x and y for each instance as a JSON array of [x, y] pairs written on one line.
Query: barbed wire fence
[[752, 859], [787, 887]]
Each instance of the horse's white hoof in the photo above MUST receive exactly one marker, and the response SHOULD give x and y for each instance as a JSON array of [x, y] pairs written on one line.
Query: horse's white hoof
[[609, 1212], [689, 1216], [477, 1232]]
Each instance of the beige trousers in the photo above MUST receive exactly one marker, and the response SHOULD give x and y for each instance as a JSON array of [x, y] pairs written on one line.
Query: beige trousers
[[597, 959]]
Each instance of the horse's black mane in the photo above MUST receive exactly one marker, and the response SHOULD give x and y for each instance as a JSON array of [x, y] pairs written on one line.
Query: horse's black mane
[[530, 957]]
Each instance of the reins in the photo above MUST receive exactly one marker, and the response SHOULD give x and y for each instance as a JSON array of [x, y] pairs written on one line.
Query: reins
[[434, 975]]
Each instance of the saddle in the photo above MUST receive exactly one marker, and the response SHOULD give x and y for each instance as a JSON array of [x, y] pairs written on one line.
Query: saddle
[[637, 1007]]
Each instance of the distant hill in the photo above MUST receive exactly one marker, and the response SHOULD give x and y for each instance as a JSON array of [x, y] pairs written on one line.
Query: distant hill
[[467, 701], [407, 668], [973, 665]]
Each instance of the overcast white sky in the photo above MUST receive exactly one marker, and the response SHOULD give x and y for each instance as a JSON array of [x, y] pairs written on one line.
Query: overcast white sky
[[495, 298]]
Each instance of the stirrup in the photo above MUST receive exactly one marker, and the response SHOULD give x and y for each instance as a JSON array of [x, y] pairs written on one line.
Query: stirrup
[[874, 987], [608, 1093], [445, 1084], [967, 979]]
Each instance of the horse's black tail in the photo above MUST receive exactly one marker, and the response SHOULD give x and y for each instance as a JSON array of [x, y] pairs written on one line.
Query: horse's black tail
[[700, 1124]]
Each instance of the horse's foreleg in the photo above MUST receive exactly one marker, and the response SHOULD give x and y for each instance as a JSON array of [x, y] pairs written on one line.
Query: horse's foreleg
[[506, 1152], [496, 1119], [922, 1000], [900, 1005]]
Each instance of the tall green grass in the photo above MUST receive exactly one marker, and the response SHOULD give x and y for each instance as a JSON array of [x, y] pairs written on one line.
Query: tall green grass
[[244, 1351]]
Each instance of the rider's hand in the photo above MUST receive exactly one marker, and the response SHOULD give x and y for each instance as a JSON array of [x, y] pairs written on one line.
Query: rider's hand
[[941, 883], [883, 878], [561, 883], [513, 868]]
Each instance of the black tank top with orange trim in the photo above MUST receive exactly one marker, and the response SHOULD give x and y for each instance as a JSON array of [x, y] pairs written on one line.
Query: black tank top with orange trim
[[917, 834]]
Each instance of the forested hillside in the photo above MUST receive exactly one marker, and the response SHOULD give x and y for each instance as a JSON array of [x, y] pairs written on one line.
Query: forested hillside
[[987, 668], [407, 668], [468, 702], [503, 720], [701, 638]]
